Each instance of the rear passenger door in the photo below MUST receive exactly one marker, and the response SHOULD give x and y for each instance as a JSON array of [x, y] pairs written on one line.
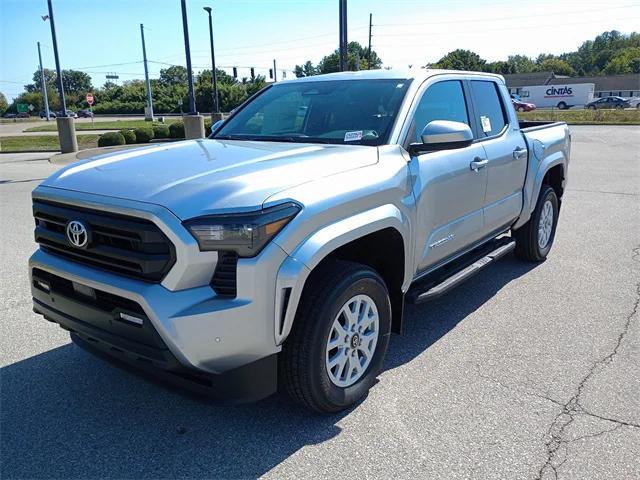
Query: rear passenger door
[[498, 132]]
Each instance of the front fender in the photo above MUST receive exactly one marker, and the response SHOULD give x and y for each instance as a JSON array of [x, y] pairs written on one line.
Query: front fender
[[295, 270]]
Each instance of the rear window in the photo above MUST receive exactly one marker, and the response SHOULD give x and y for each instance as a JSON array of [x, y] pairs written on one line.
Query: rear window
[[491, 118]]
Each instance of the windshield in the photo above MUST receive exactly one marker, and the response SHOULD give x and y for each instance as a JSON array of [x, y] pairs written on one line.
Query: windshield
[[359, 112]]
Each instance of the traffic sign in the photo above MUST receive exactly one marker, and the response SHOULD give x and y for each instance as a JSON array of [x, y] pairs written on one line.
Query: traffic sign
[[31, 107], [22, 107], [90, 98]]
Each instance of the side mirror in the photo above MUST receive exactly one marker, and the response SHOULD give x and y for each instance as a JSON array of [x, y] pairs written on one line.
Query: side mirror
[[443, 135]]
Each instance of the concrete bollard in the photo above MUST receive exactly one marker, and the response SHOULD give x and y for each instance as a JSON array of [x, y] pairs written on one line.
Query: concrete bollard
[[193, 126], [67, 134]]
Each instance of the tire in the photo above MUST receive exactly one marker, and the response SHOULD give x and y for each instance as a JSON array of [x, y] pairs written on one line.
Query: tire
[[562, 106], [521, 109], [591, 107], [304, 361], [530, 239]]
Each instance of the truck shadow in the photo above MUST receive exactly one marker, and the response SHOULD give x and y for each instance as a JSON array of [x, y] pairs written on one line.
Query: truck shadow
[[66, 414]]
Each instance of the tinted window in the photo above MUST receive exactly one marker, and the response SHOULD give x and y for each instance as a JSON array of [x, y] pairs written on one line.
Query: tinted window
[[441, 101], [332, 111], [488, 106]]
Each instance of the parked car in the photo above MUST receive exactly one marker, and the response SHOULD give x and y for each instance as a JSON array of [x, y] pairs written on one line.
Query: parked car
[[521, 106], [288, 259], [85, 113], [9, 115], [634, 102], [23, 115], [70, 113], [608, 102], [52, 114]]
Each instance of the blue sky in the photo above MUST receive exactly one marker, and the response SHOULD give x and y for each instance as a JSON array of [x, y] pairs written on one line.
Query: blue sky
[[103, 36]]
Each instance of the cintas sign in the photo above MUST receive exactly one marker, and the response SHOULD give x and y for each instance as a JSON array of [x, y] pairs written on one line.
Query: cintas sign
[[559, 92]]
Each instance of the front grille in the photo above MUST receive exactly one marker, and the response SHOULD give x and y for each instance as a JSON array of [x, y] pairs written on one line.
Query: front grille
[[118, 243], [224, 281]]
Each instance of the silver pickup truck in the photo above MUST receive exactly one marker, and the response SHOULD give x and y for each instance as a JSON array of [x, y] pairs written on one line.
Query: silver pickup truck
[[280, 251]]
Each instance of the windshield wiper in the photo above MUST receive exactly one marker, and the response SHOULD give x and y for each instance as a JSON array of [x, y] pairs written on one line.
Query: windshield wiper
[[273, 138]]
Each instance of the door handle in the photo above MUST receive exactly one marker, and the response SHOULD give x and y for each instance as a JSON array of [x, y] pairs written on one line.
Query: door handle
[[478, 163], [519, 152]]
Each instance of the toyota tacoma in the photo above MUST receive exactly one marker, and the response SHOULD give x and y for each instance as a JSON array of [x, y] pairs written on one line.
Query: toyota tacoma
[[280, 251]]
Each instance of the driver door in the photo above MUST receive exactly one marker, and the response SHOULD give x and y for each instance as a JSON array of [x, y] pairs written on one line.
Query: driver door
[[449, 192]]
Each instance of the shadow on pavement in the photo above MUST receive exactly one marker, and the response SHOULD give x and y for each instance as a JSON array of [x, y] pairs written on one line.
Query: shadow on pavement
[[66, 414]]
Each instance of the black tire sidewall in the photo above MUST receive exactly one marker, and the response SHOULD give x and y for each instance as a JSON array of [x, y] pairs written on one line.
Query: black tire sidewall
[[365, 282], [547, 194]]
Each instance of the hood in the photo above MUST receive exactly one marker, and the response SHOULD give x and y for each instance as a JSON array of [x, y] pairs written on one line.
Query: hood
[[198, 177]]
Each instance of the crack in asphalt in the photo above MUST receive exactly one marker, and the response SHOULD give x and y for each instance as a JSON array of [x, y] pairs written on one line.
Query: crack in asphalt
[[573, 407]]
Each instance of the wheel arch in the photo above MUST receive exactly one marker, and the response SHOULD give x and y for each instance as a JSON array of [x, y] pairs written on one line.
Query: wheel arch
[[378, 238]]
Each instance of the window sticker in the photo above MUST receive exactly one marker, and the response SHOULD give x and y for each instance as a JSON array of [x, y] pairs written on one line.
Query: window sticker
[[486, 124], [353, 136]]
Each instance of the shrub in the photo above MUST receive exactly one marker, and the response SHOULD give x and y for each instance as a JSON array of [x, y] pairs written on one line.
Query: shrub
[[129, 136], [207, 127], [143, 134], [110, 138], [176, 130], [160, 131]]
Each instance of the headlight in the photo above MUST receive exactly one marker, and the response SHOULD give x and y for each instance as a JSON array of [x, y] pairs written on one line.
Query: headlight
[[243, 233]]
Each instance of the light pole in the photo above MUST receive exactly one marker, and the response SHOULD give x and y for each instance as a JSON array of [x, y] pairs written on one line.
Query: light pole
[[43, 84], [66, 129], [193, 123], [214, 76], [149, 113]]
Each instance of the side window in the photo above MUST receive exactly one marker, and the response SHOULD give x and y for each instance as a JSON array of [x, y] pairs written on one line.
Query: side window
[[442, 101], [488, 106]]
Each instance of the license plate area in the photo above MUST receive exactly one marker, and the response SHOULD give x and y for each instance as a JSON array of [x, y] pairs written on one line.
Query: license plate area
[[85, 291]]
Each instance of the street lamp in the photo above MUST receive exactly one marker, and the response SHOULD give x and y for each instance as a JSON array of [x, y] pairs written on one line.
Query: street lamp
[[214, 75]]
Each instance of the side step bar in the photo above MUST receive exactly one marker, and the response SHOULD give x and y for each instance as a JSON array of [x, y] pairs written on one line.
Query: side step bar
[[435, 291]]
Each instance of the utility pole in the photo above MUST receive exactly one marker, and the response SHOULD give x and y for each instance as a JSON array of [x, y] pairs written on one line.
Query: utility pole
[[149, 113], [369, 50], [187, 50], [66, 129], [63, 104], [215, 113], [343, 36], [275, 74], [43, 83], [193, 123]]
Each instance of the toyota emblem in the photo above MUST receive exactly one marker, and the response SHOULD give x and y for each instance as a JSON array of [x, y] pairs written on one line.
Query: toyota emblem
[[77, 234]]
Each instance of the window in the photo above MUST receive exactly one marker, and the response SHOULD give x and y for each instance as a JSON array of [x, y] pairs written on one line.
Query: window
[[488, 105], [442, 101], [359, 112]]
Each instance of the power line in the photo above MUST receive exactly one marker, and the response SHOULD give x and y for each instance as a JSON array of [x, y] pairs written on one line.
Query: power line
[[484, 20]]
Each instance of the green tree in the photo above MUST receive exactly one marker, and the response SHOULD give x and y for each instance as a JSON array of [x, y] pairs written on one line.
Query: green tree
[[305, 70], [356, 56], [3, 103], [174, 75], [521, 64], [626, 60], [461, 60], [556, 65]]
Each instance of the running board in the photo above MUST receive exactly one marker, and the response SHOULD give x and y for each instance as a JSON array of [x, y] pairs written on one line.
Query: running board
[[435, 291]]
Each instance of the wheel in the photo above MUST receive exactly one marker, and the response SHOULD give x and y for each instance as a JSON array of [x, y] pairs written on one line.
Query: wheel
[[535, 238], [562, 106], [592, 107], [521, 109], [339, 338]]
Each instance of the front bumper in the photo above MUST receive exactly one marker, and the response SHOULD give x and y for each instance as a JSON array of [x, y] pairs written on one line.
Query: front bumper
[[225, 344]]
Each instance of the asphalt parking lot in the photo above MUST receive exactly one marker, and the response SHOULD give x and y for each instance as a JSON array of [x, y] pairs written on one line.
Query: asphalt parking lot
[[524, 372]]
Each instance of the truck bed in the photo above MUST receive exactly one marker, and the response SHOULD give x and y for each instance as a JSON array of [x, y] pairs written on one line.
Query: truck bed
[[530, 126]]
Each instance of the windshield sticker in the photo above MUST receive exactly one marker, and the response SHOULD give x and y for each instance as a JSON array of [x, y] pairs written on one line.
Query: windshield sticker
[[353, 136], [486, 124]]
